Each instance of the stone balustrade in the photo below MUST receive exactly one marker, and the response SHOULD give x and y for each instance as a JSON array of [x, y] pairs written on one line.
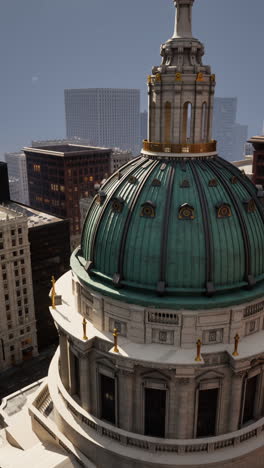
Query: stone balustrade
[[151, 444]]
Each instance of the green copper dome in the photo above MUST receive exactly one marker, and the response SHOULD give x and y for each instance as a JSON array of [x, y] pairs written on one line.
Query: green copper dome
[[174, 233]]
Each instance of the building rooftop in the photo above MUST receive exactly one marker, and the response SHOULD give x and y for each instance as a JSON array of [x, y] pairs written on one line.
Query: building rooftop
[[34, 217], [7, 212], [257, 139], [66, 149]]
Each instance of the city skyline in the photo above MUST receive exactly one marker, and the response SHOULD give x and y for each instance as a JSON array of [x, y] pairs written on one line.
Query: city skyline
[[44, 59]]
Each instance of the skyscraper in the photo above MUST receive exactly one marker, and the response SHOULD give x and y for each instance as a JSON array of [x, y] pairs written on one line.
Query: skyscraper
[[18, 339], [17, 171], [143, 126], [60, 175], [231, 136], [104, 116]]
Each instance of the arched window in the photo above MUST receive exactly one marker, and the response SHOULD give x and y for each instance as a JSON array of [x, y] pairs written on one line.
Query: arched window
[[186, 212], [167, 130], [204, 122], [223, 210], [117, 204], [187, 122], [148, 210]]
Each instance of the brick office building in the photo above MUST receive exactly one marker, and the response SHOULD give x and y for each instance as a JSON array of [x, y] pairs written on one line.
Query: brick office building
[[258, 159], [59, 175]]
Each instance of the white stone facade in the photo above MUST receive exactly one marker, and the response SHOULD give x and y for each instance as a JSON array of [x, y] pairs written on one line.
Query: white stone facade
[[17, 313], [143, 363]]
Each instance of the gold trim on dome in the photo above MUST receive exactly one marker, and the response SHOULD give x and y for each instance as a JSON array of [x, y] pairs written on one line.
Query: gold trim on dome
[[176, 148]]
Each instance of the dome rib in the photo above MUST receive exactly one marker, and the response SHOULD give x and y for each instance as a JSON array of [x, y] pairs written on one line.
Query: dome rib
[[106, 203], [246, 183], [164, 238], [207, 229], [119, 274], [248, 274]]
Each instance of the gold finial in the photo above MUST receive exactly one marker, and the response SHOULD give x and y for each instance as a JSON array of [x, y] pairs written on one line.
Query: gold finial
[[236, 338], [149, 79], [200, 77], [199, 345], [158, 77], [212, 77], [53, 293], [84, 323], [178, 77], [115, 335]]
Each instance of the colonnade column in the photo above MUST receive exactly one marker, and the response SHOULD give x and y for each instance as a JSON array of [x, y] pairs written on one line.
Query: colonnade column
[[84, 382], [72, 376], [64, 364], [126, 398], [235, 401], [184, 429]]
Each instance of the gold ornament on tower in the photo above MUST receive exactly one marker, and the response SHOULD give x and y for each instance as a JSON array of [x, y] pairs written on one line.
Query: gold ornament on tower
[[115, 335], [236, 338], [53, 293], [84, 324], [178, 77], [198, 356]]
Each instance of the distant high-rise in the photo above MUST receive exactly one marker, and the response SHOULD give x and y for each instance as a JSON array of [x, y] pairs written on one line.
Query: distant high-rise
[[17, 171], [104, 116], [230, 136], [59, 175], [143, 126]]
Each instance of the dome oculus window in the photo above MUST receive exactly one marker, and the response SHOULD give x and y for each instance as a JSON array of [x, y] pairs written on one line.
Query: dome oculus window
[[234, 180], [213, 183], [186, 212], [100, 198], [156, 183], [117, 205], [223, 210], [132, 180], [250, 205], [185, 184], [148, 210]]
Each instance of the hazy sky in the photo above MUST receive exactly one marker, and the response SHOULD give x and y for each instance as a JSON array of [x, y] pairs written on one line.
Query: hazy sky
[[49, 45]]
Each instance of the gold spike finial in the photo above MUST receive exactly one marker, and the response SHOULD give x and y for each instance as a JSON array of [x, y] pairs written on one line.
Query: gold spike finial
[[235, 352], [84, 324], [53, 293], [115, 335], [198, 356]]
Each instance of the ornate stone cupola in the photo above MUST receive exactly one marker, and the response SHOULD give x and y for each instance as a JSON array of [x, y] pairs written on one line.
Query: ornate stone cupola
[[181, 92]]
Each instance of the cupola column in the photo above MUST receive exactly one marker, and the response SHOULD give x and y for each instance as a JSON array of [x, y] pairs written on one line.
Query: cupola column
[[183, 18]]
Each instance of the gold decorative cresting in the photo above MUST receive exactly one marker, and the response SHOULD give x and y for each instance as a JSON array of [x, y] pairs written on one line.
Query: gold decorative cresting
[[198, 356], [84, 324], [236, 338], [53, 293], [115, 335], [179, 148]]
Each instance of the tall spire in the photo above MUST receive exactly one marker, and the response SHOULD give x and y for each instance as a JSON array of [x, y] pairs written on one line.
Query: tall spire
[[183, 18]]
